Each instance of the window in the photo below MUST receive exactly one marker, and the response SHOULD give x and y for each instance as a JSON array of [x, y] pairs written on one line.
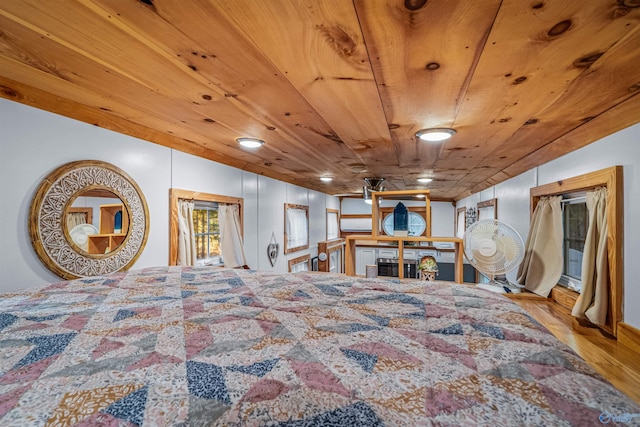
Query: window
[[610, 178], [461, 221], [487, 209], [206, 227], [574, 222], [207, 233], [332, 224], [296, 232], [417, 224], [301, 263]]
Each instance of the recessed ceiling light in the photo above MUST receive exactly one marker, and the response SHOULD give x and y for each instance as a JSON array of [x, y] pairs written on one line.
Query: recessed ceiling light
[[358, 168], [435, 134], [326, 179], [250, 142], [425, 180]]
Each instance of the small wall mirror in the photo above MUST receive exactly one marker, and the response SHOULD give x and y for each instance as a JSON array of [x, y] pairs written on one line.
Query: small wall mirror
[[88, 218]]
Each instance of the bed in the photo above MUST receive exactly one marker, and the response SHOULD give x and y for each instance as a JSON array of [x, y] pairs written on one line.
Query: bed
[[212, 346]]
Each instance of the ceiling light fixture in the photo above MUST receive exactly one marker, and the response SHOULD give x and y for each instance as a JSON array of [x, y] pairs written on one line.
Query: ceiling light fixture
[[373, 184], [250, 142], [425, 180], [366, 195], [326, 179], [435, 134], [358, 168]]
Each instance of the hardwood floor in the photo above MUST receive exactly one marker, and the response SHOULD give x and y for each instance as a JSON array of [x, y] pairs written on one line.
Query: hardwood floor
[[619, 364]]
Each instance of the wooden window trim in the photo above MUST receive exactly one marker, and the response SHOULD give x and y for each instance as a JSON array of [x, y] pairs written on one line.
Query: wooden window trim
[[299, 260], [176, 194], [87, 211], [455, 220], [487, 204], [612, 179], [288, 206], [331, 211]]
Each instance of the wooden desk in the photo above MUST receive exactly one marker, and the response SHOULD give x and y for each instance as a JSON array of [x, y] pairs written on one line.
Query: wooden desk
[[350, 251]]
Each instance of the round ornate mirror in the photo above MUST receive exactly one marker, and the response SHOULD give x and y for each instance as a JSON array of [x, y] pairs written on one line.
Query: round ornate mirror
[[88, 218]]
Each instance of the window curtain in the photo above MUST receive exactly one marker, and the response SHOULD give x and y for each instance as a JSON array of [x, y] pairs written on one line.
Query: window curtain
[[593, 301], [231, 244], [541, 267], [186, 233], [74, 219], [332, 226], [297, 232]]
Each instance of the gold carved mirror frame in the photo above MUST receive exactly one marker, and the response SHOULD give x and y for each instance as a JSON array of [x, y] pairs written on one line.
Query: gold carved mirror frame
[[48, 229]]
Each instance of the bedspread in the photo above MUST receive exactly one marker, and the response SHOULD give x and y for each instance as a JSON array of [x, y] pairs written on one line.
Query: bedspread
[[211, 346]]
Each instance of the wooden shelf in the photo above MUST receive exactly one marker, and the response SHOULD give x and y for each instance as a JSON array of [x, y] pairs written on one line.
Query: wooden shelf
[[104, 243], [350, 251], [107, 218], [354, 240], [392, 195], [108, 240]]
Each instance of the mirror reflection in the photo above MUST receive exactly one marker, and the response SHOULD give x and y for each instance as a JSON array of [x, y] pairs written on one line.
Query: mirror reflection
[[97, 221]]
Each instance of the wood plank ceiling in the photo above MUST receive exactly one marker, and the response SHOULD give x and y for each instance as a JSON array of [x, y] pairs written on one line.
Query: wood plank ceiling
[[332, 85]]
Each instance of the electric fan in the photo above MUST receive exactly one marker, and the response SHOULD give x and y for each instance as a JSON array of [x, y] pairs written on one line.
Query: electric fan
[[494, 248]]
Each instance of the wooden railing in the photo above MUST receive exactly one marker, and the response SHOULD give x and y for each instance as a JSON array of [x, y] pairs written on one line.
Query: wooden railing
[[350, 251]]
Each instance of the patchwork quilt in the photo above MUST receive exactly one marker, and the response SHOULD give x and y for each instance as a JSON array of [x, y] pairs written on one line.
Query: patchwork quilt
[[222, 347]]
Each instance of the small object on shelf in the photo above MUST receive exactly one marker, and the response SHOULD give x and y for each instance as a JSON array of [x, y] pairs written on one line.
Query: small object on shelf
[[400, 220], [117, 222], [372, 271], [428, 268]]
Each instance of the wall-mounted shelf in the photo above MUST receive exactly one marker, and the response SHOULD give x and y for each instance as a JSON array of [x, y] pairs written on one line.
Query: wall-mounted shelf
[[375, 237], [104, 243], [108, 240], [400, 195]]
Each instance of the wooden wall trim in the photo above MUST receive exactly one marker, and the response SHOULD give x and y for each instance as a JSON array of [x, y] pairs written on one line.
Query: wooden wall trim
[[612, 179], [299, 260], [629, 336]]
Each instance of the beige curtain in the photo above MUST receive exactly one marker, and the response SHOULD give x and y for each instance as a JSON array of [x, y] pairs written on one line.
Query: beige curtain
[[186, 234], [231, 244], [75, 218], [593, 301], [542, 265]]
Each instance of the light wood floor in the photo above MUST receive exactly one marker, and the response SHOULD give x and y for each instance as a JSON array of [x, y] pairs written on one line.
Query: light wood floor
[[617, 363]]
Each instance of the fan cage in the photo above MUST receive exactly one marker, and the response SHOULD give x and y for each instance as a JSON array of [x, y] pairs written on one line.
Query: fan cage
[[490, 233]]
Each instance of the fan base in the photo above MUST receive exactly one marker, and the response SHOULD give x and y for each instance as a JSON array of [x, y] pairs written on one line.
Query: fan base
[[498, 287]]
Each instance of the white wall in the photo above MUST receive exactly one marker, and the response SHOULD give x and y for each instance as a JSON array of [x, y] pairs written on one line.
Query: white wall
[[33, 143], [621, 148]]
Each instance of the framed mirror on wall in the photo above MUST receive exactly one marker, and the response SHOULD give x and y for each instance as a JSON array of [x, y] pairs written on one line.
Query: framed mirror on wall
[[296, 227], [88, 218]]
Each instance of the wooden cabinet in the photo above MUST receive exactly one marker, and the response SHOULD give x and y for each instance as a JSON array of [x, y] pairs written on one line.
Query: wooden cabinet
[[109, 238]]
